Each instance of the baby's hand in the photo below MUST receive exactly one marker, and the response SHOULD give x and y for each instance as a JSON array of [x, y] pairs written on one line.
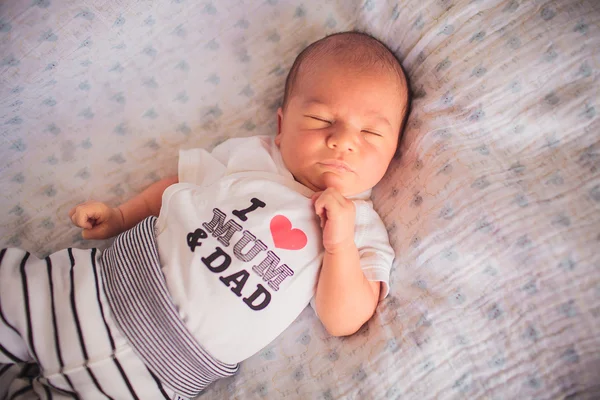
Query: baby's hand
[[98, 220], [337, 215]]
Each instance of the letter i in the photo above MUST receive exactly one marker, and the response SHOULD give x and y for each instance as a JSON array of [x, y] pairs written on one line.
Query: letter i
[[241, 214]]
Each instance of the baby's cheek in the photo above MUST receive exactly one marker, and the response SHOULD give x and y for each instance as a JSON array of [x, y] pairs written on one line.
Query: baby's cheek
[[376, 165]]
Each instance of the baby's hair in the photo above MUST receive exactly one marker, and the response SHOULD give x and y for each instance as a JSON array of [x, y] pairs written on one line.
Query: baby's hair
[[357, 48]]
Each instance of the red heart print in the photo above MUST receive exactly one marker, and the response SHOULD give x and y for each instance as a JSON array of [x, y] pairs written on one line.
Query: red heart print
[[284, 236]]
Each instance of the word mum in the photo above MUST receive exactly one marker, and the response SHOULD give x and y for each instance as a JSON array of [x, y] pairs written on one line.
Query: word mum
[[245, 250]]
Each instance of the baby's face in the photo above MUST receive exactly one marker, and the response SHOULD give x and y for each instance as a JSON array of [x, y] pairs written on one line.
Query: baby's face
[[340, 127]]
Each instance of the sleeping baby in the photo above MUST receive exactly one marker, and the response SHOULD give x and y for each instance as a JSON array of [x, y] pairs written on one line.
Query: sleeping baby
[[211, 265]]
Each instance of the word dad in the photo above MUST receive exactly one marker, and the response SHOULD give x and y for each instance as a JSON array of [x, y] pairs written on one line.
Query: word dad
[[219, 260]]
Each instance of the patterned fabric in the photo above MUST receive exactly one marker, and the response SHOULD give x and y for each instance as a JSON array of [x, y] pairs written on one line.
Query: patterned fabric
[[140, 303], [493, 208], [57, 337]]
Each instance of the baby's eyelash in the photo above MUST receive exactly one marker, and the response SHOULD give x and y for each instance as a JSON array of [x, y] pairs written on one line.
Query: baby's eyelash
[[318, 119], [330, 122]]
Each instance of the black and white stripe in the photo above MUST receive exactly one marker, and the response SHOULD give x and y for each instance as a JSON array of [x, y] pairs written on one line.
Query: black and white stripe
[[55, 313], [56, 335], [142, 308], [27, 307], [159, 385], [8, 372], [108, 332], [84, 351], [9, 355], [7, 325]]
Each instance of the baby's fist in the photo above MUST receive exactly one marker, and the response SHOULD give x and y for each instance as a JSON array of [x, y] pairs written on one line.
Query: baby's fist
[[97, 220], [337, 215]]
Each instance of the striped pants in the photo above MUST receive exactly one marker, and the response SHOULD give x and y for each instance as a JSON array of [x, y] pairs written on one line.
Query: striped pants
[[53, 313]]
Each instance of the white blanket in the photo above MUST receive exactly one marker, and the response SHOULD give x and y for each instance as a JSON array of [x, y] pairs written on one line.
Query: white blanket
[[493, 209]]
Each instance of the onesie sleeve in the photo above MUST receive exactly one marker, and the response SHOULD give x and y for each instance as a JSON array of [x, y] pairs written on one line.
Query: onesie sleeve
[[372, 241], [203, 168], [199, 167]]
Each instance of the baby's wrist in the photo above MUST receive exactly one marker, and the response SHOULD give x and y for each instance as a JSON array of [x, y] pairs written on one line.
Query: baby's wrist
[[341, 248], [119, 216]]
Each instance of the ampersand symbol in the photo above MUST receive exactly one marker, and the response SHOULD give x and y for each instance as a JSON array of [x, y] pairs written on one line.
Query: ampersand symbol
[[194, 238]]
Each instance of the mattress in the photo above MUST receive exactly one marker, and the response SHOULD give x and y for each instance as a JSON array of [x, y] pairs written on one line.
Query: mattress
[[493, 207]]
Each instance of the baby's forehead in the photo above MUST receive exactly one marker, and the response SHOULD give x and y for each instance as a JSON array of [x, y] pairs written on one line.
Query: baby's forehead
[[359, 69], [356, 56]]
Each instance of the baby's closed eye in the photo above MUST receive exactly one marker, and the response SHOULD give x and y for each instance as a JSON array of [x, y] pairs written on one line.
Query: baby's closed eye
[[316, 122], [370, 132]]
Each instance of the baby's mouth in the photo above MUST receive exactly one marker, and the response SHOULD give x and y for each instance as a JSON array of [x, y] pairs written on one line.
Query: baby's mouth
[[337, 165]]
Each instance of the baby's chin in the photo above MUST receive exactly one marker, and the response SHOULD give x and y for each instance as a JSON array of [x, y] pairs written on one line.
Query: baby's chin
[[330, 180], [335, 181]]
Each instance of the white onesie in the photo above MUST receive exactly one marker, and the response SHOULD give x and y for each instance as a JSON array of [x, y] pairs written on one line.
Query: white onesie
[[240, 246], [176, 303]]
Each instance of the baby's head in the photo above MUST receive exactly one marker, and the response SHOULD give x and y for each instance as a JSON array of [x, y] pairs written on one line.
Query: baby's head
[[346, 99]]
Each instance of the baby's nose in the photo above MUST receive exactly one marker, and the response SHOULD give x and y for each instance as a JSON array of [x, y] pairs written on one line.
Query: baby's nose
[[342, 140]]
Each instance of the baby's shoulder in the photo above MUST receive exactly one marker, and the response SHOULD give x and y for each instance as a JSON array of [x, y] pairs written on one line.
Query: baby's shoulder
[[366, 215]]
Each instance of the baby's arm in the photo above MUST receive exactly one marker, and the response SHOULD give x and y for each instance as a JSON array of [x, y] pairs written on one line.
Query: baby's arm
[[99, 221], [144, 204], [345, 299]]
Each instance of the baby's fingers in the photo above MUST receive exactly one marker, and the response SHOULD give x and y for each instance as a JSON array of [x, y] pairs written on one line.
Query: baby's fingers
[[78, 207], [322, 218], [315, 197], [326, 203], [86, 215], [81, 219], [97, 232]]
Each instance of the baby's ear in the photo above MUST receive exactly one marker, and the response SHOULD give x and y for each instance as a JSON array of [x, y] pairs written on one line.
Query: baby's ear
[[279, 122]]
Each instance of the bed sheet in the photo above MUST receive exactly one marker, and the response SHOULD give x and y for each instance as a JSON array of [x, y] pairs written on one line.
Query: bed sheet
[[493, 208]]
